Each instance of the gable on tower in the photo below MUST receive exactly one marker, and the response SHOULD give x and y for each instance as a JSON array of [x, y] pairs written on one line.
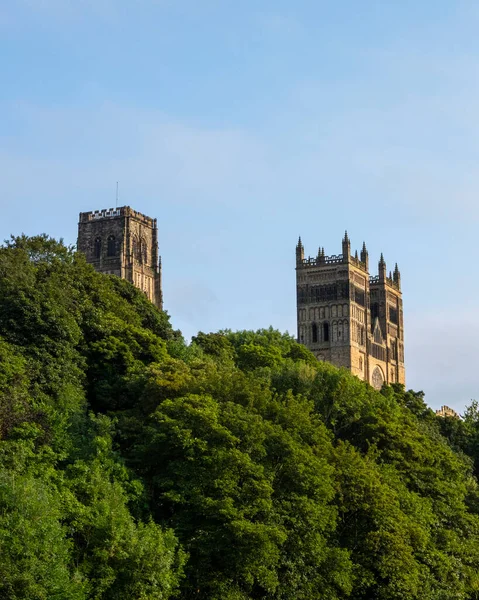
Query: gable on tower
[[377, 334]]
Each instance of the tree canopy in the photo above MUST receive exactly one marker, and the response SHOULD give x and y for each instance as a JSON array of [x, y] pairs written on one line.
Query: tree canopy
[[236, 467]]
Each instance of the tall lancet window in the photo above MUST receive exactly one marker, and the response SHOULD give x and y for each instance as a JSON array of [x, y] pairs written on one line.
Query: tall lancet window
[[97, 248], [111, 250], [325, 331]]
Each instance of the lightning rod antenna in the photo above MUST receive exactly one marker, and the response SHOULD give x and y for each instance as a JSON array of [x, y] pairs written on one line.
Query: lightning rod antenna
[[116, 195]]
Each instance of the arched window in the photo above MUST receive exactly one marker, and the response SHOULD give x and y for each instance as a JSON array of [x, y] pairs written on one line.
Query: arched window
[[135, 248], [97, 248], [111, 249], [144, 251], [334, 337], [315, 333], [326, 331], [377, 379]]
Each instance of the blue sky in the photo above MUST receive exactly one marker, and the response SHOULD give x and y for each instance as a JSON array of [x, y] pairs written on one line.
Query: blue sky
[[241, 125]]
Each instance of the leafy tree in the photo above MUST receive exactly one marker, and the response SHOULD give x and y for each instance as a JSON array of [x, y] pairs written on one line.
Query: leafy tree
[[238, 467]]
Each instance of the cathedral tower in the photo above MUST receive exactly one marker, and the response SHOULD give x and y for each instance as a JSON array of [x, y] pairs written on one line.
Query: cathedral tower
[[349, 318], [123, 242]]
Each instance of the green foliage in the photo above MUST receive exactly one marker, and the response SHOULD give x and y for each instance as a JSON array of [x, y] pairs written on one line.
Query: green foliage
[[35, 550], [71, 525], [133, 465]]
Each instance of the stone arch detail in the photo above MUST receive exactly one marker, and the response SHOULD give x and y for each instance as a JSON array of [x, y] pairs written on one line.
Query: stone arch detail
[[377, 378]]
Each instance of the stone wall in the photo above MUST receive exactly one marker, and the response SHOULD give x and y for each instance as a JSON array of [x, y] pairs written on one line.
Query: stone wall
[[123, 242]]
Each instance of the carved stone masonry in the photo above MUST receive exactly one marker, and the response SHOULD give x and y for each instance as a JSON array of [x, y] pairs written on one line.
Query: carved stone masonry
[[349, 318], [123, 242]]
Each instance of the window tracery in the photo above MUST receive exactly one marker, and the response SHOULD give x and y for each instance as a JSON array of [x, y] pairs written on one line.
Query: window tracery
[[377, 379]]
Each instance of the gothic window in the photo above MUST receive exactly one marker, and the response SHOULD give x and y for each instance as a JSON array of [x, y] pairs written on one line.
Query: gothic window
[[359, 296], [326, 331], [393, 351], [97, 248], [393, 315], [377, 379], [136, 249], [144, 251], [335, 331], [314, 331], [111, 248]]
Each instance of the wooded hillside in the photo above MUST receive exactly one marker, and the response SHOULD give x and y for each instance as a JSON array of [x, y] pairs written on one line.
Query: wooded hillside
[[135, 466]]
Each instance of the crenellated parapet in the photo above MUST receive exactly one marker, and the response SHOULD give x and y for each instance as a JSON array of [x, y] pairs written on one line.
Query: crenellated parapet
[[110, 213], [333, 259]]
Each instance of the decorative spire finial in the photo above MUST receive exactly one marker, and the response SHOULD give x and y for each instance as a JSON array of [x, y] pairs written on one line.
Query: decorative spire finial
[[397, 276]]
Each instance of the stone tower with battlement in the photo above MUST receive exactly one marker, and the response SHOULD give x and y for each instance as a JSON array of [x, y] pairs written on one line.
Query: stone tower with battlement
[[349, 318], [123, 242]]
